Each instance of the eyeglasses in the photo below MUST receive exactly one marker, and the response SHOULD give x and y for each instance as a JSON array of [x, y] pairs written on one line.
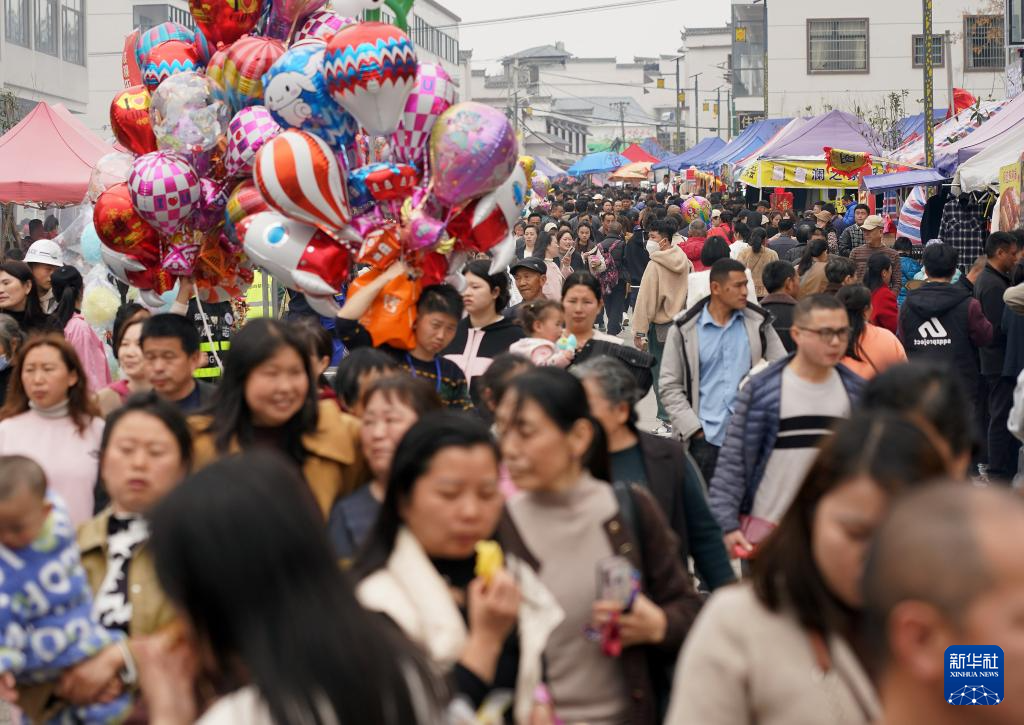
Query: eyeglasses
[[827, 334]]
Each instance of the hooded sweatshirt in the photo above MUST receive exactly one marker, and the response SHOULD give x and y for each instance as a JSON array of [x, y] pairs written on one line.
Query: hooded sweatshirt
[[663, 288], [941, 322], [474, 347]]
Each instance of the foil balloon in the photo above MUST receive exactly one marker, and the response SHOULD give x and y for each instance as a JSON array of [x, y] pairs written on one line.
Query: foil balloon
[[168, 59], [296, 94], [529, 165], [248, 130], [215, 72], [473, 150], [502, 255], [225, 21], [422, 232], [180, 253], [213, 202], [203, 48], [540, 184], [243, 202], [113, 168], [381, 182], [433, 94], [486, 221], [285, 15], [164, 190], [370, 69], [321, 25], [381, 248], [299, 176], [246, 61], [160, 34], [129, 120], [299, 256], [119, 225], [696, 207], [186, 116]]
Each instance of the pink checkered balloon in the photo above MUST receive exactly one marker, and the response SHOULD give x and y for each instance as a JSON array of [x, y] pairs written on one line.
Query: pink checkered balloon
[[248, 130], [164, 189], [321, 25], [433, 94]]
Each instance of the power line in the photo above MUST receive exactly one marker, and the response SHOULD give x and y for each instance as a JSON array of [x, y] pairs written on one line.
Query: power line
[[555, 13]]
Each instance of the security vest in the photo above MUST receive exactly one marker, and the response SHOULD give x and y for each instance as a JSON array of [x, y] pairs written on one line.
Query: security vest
[[221, 319]]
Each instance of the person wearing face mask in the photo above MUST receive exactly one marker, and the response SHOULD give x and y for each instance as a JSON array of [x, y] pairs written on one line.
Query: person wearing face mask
[[267, 398], [662, 296], [11, 338], [391, 406], [49, 417]]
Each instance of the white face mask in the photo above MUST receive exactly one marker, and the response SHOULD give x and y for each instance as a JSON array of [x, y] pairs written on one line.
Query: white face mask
[[653, 246]]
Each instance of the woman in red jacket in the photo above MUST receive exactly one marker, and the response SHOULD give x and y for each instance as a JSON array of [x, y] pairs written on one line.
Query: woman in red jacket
[[885, 311]]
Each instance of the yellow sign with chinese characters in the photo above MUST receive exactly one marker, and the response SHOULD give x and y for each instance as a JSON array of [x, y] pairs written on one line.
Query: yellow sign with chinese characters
[[797, 174]]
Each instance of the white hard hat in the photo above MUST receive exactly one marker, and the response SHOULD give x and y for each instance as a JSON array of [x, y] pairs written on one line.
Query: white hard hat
[[45, 251]]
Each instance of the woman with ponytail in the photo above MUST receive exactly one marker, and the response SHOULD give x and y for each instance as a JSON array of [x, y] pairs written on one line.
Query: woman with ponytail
[[68, 288], [574, 526], [757, 258]]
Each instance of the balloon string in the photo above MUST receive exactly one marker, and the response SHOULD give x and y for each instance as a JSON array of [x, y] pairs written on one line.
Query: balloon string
[[291, 32], [209, 334]]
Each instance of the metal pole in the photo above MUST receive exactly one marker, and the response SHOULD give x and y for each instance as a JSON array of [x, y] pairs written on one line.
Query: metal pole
[[515, 95], [718, 109], [947, 57], [766, 58], [696, 109], [679, 110], [929, 88]]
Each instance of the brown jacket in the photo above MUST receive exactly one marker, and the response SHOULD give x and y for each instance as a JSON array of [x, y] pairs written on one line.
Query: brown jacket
[[664, 581], [334, 464]]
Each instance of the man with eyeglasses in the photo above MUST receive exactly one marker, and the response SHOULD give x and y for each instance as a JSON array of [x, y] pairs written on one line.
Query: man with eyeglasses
[[778, 419]]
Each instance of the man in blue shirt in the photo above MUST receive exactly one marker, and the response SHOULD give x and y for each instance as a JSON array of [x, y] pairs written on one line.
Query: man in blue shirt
[[710, 348]]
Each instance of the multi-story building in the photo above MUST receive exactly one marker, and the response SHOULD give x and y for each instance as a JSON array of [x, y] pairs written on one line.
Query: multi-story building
[[852, 58], [706, 99], [43, 52]]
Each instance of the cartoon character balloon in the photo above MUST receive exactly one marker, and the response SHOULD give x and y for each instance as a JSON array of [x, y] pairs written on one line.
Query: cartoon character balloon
[[473, 150], [225, 21], [433, 94], [696, 207], [299, 256], [164, 190], [246, 61], [299, 176], [296, 95], [129, 120], [248, 130], [370, 69]]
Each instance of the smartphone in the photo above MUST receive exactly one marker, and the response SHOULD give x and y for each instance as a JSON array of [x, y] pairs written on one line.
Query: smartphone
[[617, 581]]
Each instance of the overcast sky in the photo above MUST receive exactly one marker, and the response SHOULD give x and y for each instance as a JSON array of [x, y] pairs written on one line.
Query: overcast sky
[[622, 32]]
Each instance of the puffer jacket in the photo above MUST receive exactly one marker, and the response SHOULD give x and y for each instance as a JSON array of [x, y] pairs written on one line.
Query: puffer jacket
[[750, 440]]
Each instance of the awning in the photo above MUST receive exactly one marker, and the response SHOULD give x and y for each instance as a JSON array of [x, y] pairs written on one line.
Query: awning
[[694, 156], [598, 163], [914, 177]]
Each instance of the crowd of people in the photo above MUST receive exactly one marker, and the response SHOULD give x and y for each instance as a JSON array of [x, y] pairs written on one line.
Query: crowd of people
[[477, 527]]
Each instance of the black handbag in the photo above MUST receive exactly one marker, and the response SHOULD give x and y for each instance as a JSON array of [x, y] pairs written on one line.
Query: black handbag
[[640, 363]]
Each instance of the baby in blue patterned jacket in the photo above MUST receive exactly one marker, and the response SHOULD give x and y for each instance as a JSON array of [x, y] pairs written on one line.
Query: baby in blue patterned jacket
[[46, 620]]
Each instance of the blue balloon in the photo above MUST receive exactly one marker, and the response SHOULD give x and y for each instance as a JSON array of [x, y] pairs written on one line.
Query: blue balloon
[[296, 95], [91, 249]]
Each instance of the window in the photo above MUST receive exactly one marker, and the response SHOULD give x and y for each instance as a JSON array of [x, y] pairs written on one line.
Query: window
[[837, 45], [17, 22], [938, 51], [983, 43], [73, 31], [47, 26], [149, 16]]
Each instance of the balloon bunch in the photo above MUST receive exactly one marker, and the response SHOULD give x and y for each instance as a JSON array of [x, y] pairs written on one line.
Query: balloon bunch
[[303, 141]]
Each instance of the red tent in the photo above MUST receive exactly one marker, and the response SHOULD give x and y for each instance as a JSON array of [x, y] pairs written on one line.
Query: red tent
[[47, 158], [636, 154]]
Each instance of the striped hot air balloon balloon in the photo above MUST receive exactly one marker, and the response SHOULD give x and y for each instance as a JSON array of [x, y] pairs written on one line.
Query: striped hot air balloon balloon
[[299, 176]]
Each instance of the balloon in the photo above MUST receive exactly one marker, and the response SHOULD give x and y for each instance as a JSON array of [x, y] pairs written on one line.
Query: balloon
[[202, 48], [243, 202], [299, 176], [381, 247], [168, 59], [433, 94], [299, 256], [129, 120], [157, 35], [296, 94], [91, 244], [113, 168], [185, 115], [422, 231], [225, 21], [529, 166], [473, 150], [164, 190], [180, 253], [370, 69], [488, 220], [99, 305], [215, 72], [321, 25], [120, 227], [246, 61], [285, 14], [502, 255], [250, 128], [540, 184], [212, 203], [381, 182], [696, 207]]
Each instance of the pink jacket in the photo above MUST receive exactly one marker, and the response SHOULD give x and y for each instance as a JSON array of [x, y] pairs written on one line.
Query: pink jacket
[[90, 351], [541, 352]]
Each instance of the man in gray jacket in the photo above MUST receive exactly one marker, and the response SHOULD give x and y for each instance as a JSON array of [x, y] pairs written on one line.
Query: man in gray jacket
[[710, 348]]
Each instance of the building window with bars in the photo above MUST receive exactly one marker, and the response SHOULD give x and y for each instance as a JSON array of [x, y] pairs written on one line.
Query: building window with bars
[[837, 45], [938, 51], [47, 26], [17, 22], [983, 43], [73, 31]]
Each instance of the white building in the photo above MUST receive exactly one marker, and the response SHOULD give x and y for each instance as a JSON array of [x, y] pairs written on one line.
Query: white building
[[433, 28], [704, 81], [852, 56], [43, 52]]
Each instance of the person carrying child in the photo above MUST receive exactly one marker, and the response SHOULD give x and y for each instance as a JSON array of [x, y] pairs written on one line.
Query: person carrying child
[[547, 344]]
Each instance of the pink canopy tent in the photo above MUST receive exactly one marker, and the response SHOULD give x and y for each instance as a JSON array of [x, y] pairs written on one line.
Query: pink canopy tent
[[48, 157]]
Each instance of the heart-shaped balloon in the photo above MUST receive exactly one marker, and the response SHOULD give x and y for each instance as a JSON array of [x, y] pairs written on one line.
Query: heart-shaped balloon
[[225, 21], [473, 150], [164, 190], [129, 120], [433, 94], [120, 227], [248, 130], [298, 175]]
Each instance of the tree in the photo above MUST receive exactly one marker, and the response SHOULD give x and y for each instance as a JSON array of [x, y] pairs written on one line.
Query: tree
[[9, 117]]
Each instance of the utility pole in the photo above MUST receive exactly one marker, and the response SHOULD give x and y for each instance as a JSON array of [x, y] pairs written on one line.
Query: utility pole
[[696, 107], [515, 95], [622, 106], [929, 87], [679, 109], [718, 110], [766, 58], [947, 58]]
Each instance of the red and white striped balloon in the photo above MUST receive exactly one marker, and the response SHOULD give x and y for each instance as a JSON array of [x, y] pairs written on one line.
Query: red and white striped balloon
[[299, 176]]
